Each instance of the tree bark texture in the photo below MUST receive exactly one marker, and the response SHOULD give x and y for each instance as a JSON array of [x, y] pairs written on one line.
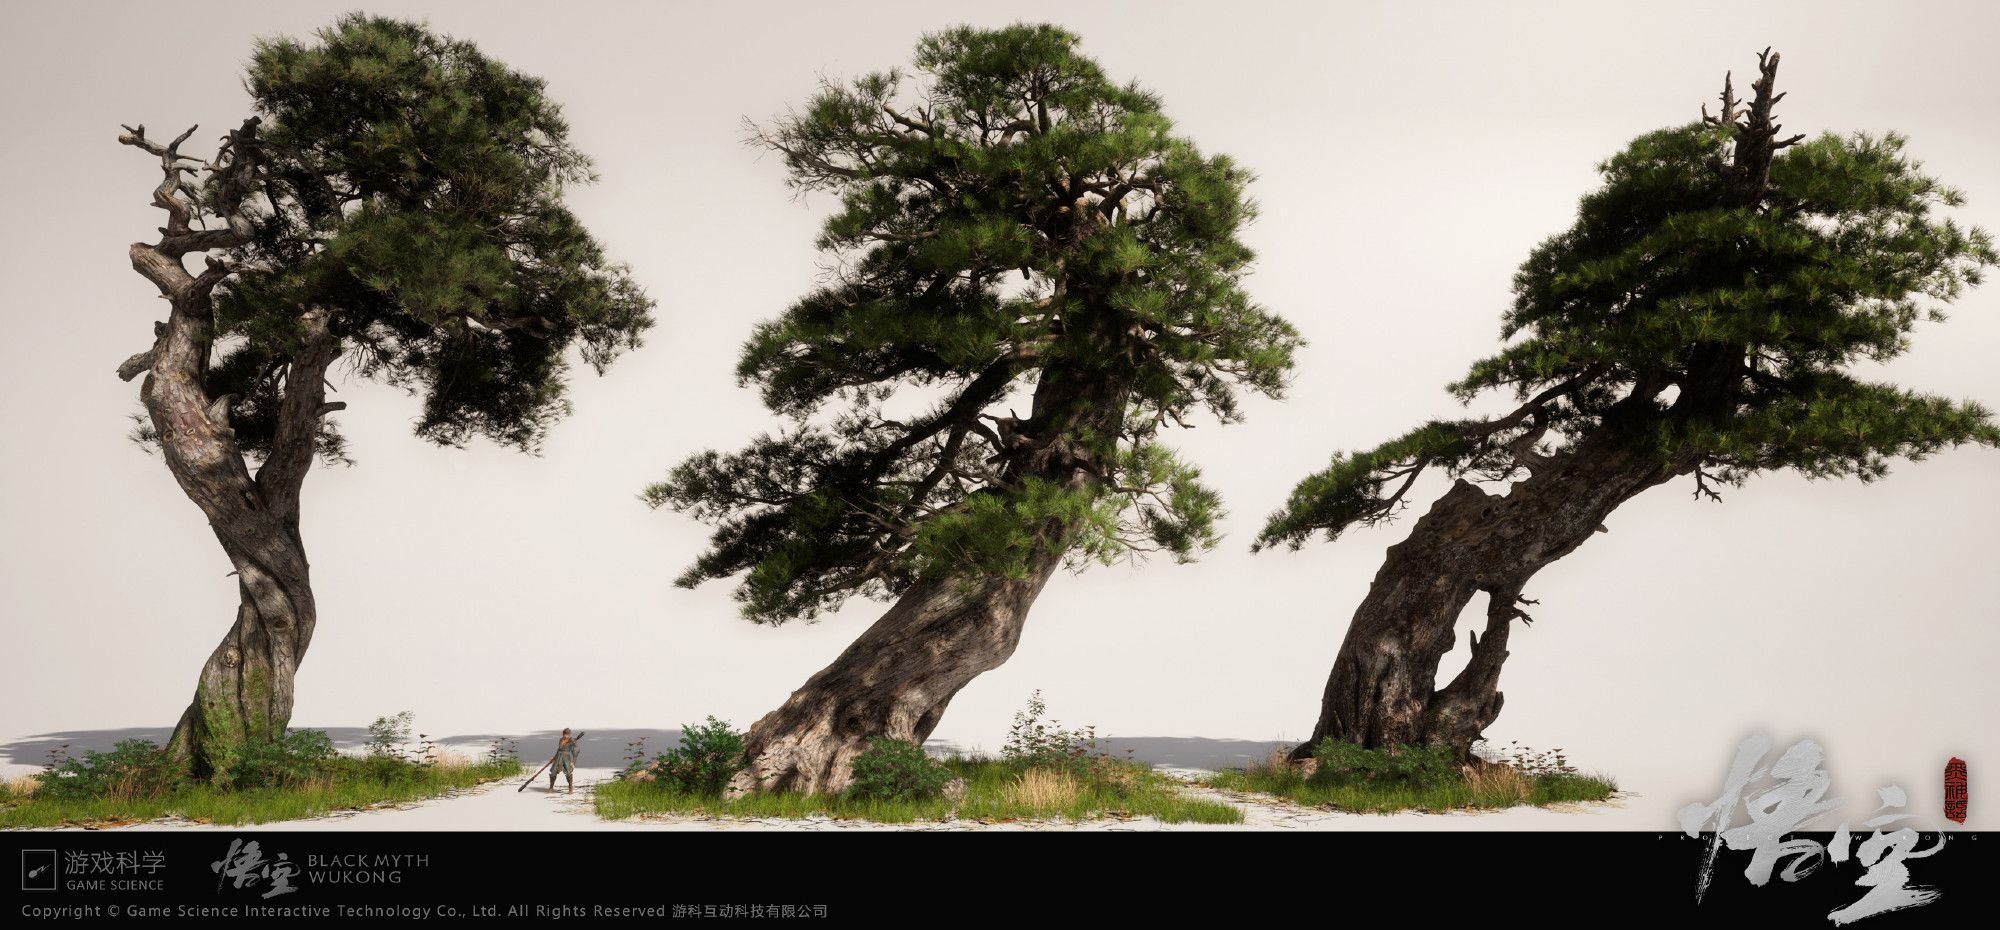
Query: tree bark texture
[[896, 679], [1383, 688], [245, 690], [893, 682]]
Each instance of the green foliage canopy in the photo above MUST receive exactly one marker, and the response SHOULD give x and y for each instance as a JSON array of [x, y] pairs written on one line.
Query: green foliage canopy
[[1705, 305], [1007, 216], [411, 187]]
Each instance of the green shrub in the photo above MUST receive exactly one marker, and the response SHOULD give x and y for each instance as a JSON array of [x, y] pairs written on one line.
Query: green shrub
[[387, 735], [288, 761], [135, 768], [707, 757], [1341, 762], [897, 770], [1034, 744], [386, 771]]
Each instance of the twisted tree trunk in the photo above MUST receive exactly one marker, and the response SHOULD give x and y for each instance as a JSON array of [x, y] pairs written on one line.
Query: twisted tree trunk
[[1383, 689], [893, 682], [896, 679], [244, 692]]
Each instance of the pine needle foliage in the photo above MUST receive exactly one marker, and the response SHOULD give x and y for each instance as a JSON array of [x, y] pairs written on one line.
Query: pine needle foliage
[[1010, 221], [1706, 306]]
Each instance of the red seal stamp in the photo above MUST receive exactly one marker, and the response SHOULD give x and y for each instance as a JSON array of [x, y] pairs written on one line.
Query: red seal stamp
[[1954, 790]]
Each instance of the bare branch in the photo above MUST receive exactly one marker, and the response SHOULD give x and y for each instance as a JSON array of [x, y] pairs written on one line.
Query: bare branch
[[1701, 488], [135, 366]]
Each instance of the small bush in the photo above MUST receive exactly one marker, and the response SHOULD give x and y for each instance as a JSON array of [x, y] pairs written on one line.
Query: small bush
[[635, 758], [503, 749], [135, 768], [1426, 766], [384, 771], [897, 770], [707, 757], [387, 735], [1034, 744], [290, 760]]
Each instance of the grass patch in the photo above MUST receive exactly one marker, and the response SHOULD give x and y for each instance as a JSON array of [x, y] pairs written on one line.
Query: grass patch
[[1490, 786], [995, 791], [348, 783]]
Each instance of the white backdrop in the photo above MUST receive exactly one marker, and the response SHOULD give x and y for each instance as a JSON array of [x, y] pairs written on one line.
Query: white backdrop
[[1408, 159]]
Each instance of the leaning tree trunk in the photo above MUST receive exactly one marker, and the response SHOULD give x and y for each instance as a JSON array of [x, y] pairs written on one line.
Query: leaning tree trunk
[[244, 692], [1383, 691], [894, 681], [1383, 688]]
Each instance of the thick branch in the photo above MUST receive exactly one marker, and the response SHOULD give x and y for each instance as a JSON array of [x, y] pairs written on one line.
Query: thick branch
[[296, 440], [979, 392], [135, 366]]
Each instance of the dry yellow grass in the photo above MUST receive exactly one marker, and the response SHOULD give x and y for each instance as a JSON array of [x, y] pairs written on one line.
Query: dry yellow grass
[[453, 759], [21, 786], [1118, 776], [1043, 789], [1499, 779], [1279, 759]]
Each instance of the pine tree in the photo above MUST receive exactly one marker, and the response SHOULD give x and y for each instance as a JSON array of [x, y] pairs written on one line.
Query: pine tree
[[1696, 320], [394, 204], [1013, 228]]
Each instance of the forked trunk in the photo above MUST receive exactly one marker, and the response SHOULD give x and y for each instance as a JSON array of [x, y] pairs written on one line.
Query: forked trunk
[[1383, 689], [245, 690], [893, 682], [244, 693]]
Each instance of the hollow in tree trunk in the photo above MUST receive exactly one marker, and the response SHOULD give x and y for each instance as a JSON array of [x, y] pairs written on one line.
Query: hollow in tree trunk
[[896, 679], [1383, 689]]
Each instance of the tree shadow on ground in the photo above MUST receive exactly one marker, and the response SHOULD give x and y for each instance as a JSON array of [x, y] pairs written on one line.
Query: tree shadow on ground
[[600, 747], [1191, 752], [609, 746]]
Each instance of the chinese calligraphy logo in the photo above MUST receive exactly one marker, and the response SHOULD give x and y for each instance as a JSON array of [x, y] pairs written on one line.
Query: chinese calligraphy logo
[[1796, 800], [244, 866]]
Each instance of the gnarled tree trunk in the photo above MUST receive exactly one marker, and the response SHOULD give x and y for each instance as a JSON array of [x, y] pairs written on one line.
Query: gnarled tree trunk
[[893, 682], [244, 693], [245, 689], [1383, 689]]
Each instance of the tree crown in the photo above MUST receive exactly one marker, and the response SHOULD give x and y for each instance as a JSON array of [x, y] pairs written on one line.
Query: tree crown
[[1705, 305], [1007, 216], [410, 188]]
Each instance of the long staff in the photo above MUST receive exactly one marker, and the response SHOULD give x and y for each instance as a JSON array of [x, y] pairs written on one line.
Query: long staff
[[538, 772]]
